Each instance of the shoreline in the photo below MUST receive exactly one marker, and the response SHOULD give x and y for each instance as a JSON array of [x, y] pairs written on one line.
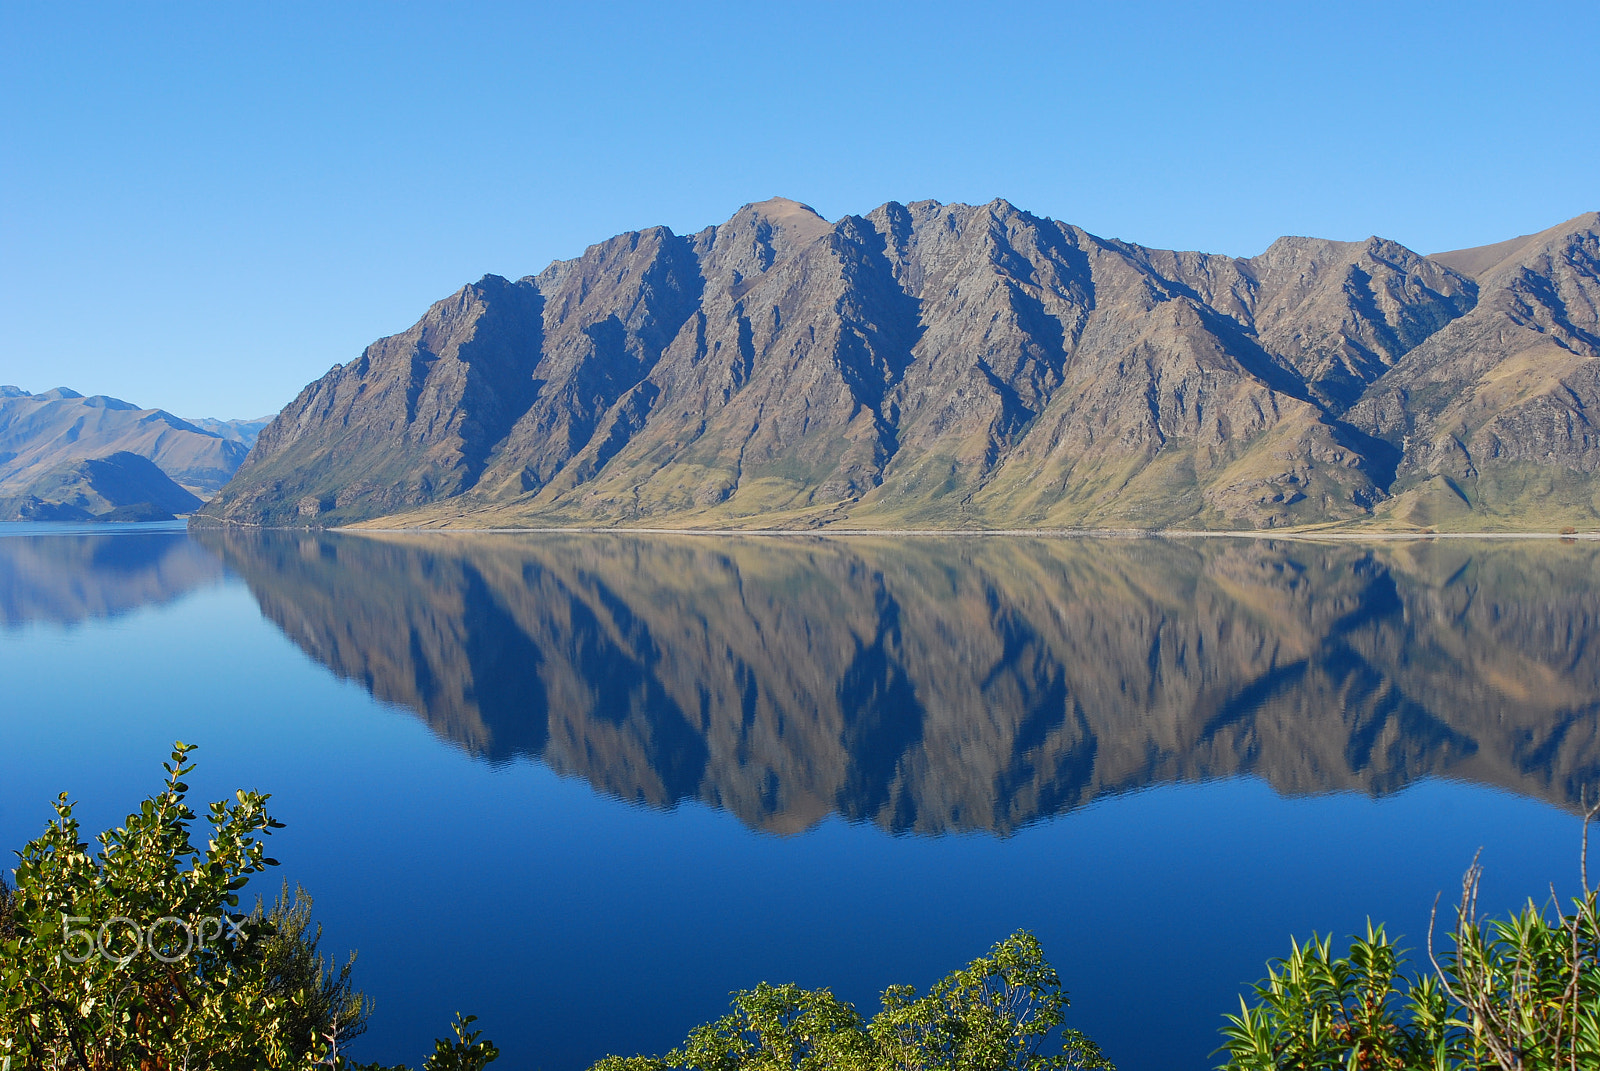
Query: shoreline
[[1344, 536]]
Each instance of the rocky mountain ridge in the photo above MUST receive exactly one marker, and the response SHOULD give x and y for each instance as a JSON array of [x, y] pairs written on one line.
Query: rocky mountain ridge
[[965, 366], [242, 431]]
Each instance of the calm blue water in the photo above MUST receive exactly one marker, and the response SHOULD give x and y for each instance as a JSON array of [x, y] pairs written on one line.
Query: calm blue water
[[584, 788]]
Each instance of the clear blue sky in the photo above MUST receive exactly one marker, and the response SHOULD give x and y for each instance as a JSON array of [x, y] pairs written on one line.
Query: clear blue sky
[[205, 206]]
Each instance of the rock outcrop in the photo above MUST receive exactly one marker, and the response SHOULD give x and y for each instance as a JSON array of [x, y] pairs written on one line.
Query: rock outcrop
[[957, 365]]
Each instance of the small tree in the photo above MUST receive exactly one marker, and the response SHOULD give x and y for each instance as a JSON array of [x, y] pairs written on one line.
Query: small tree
[[322, 1008], [138, 957], [998, 1012]]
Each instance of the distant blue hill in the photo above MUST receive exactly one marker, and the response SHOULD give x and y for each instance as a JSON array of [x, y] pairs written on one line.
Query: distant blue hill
[[155, 464]]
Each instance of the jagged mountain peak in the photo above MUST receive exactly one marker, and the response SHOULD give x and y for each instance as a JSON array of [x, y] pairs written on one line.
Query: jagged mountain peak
[[1494, 413], [754, 239], [1294, 249], [1297, 252], [1344, 313]]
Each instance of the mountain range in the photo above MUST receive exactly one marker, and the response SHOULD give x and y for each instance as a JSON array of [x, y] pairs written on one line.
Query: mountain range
[[931, 365], [66, 457]]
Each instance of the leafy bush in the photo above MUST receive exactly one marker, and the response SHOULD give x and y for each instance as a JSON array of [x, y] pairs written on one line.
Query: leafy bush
[[7, 910], [997, 1013], [465, 1053], [1317, 1011], [137, 956], [1515, 994]]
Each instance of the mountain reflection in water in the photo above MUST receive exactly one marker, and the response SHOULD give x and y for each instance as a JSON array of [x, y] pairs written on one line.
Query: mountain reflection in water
[[937, 685], [63, 578]]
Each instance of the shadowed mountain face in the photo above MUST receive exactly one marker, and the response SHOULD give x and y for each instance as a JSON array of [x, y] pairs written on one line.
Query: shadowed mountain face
[[940, 685], [121, 487], [959, 365], [64, 579], [1494, 413]]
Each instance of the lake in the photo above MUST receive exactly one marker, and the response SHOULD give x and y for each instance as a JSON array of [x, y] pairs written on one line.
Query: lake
[[584, 786]]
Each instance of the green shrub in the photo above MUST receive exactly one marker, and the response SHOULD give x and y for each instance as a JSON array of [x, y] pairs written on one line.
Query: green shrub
[[321, 1006], [136, 956], [1515, 994], [999, 1012]]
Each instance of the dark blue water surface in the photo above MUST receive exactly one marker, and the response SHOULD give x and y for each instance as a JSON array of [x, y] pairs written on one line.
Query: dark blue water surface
[[584, 787]]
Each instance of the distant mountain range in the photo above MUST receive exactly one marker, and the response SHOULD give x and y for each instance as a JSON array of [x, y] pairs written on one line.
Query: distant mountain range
[[243, 432], [965, 366], [65, 457]]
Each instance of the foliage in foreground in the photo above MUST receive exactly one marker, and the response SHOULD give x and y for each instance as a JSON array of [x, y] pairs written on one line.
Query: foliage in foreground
[[999, 1012], [1515, 994], [326, 1007], [137, 956], [101, 969], [80, 991]]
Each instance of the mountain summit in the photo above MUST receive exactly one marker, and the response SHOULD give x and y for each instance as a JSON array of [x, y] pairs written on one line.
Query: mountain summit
[[965, 366]]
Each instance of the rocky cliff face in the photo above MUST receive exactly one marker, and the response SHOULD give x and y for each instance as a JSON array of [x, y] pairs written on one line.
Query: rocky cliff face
[[956, 365], [938, 685], [1495, 412]]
